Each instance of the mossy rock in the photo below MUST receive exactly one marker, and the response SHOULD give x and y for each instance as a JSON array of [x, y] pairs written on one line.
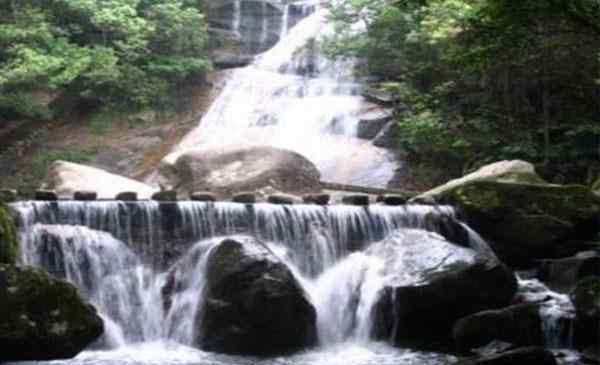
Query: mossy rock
[[42, 318], [586, 297], [9, 245], [525, 222], [596, 186]]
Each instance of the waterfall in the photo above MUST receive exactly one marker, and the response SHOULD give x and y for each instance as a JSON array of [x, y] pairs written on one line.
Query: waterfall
[[142, 263], [294, 97]]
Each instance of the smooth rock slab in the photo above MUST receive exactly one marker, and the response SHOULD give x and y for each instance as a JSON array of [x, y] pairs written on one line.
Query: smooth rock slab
[[521, 356], [42, 318]]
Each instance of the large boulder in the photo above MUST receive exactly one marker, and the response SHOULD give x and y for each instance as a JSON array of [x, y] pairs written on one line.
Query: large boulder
[[67, 177], [527, 356], [432, 283], [518, 324], [586, 298], [228, 171], [526, 222], [42, 318], [254, 304], [8, 237], [516, 171]]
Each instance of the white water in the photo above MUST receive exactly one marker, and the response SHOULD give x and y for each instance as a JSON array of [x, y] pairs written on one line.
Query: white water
[[294, 98], [77, 240]]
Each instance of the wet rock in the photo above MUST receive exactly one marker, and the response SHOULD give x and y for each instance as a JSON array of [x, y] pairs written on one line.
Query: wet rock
[[319, 199], [586, 298], [85, 195], [203, 197], [525, 355], [127, 196], [9, 246], [563, 274], [392, 199], [356, 199], [225, 172], [519, 324], [246, 198], [165, 196], [527, 222], [372, 121], [66, 178], [386, 138], [254, 305], [42, 318], [282, 199], [8, 196], [423, 314], [45, 195]]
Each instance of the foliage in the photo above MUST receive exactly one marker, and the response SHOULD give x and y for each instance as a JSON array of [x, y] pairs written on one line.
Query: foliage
[[485, 79], [129, 52], [43, 159]]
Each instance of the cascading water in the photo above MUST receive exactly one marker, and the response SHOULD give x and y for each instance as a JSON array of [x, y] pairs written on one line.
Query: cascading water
[[293, 97], [109, 250]]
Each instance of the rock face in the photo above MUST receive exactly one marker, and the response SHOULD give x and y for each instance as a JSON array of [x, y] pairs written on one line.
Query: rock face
[[519, 324], [67, 177], [525, 355], [42, 318], [226, 172], [423, 311], [525, 222], [254, 305], [502, 171], [586, 298], [8, 237], [563, 274]]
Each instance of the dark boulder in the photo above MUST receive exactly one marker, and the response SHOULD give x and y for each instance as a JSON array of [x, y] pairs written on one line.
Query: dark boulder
[[254, 304], [42, 318], [432, 283], [563, 274], [586, 298], [522, 356], [424, 313], [518, 324]]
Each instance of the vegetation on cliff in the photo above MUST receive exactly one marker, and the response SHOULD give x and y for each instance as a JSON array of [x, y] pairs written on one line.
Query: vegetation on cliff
[[123, 52], [485, 80]]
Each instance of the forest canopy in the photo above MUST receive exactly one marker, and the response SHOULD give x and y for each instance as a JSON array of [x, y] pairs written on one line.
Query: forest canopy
[[485, 80], [129, 52]]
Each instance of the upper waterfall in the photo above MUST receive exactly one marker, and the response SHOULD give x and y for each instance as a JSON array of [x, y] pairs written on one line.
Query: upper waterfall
[[294, 97]]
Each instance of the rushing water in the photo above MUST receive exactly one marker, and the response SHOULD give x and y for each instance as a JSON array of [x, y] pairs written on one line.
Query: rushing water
[[293, 97], [96, 246]]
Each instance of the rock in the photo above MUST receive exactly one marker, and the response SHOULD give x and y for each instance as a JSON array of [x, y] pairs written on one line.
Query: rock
[[45, 195], [526, 356], [203, 197], [380, 97], [246, 198], [225, 60], [516, 171], [127, 196], [319, 199], [254, 304], [392, 199], [143, 117], [42, 318], [596, 187], [356, 199], [8, 196], [9, 246], [386, 138], [372, 121], [85, 195], [563, 274], [527, 222], [282, 199], [586, 298], [225, 172], [518, 324], [448, 282], [67, 177], [165, 196]]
